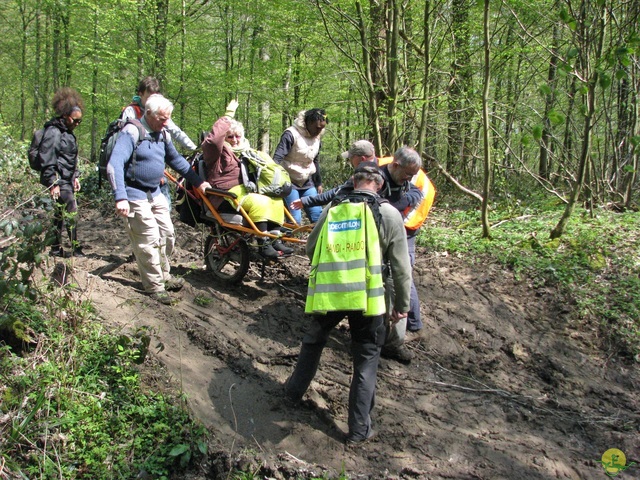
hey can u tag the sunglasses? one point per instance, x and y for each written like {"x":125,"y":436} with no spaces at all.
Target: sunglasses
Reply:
{"x":76,"y":121}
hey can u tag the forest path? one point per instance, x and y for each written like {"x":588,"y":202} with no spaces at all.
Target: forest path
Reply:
{"x":503,"y":385}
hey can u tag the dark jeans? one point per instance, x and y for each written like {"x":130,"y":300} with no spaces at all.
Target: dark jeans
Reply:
{"x":367,"y":338}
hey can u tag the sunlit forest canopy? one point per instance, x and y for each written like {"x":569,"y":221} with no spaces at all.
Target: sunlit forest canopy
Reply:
{"x":561,"y":91}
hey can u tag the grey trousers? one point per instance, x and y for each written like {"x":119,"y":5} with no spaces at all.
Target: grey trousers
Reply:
{"x":414,"y":319}
{"x":367,"y":338}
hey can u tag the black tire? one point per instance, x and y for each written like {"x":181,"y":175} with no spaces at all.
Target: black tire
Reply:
{"x":227,"y":256}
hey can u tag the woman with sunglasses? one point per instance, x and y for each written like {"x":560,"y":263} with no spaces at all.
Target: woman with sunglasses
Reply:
{"x":221,"y":150}
{"x":59,"y":156}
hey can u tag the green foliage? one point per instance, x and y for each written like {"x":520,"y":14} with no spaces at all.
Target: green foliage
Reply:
{"x":596,"y":262}
{"x":26,"y":237}
{"x":79,"y":411}
{"x":202,"y":300}
{"x":71,"y":394}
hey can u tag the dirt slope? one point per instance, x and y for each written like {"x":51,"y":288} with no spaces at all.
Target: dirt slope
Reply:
{"x":503,"y":385}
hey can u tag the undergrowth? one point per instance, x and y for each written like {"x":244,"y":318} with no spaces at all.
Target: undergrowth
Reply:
{"x":73,"y":399}
{"x":596,"y":262}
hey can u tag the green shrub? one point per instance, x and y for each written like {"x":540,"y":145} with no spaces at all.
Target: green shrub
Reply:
{"x":71,"y":394}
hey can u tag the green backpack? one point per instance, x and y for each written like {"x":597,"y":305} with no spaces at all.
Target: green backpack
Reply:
{"x":270,"y":177}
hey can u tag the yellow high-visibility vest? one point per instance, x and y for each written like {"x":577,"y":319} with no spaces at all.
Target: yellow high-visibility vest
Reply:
{"x":346,"y":269}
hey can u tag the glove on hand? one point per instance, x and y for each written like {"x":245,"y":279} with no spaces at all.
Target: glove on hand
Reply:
{"x":231,"y":108}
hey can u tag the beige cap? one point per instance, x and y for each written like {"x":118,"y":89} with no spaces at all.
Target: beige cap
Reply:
{"x":360,"y":148}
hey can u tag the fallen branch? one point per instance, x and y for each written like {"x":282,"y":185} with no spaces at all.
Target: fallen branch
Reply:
{"x":457,"y":184}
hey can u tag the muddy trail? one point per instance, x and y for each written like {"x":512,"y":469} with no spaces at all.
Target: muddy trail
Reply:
{"x":504,"y":384}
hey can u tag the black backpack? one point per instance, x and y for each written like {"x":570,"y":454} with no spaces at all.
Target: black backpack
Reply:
{"x":109,"y":141}
{"x":374,"y":202}
{"x":33,"y":153}
{"x":187,"y":204}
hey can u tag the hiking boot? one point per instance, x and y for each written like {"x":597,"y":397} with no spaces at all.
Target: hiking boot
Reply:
{"x":353,"y":440}
{"x":267,"y":251}
{"x":174,"y":284}
{"x":281,"y":247}
{"x":162,"y":297}
{"x":400,"y":354}
{"x":78,"y":253}
{"x":56,"y":252}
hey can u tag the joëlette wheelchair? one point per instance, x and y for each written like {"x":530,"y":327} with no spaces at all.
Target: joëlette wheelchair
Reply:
{"x":231,"y":244}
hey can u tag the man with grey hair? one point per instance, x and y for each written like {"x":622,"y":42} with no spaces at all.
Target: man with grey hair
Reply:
{"x":403,"y":195}
{"x":135,"y":170}
{"x":359,"y":151}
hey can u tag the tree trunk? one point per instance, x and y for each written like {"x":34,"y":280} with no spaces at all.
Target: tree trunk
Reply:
{"x":486,"y":125}
{"x":160,"y":58}
{"x":23,"y":70}
{"x":94,"y":85}
{"x":265,"y":113}
{"x":367,"y":61}
{"x":141,"y":38}
{"x":183,"y":61}
{"x":287,"y":112}
{"x":545,"y":142}
{"x":629,"y":112}
{"x":424,"y":114}
{"x":393,"y":22}
{"x":591,"y":33}
{"x":458,"y":128}
{"x":37,"y":90}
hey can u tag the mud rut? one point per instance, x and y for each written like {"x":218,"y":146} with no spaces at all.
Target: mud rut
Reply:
{"x":503,"y":385}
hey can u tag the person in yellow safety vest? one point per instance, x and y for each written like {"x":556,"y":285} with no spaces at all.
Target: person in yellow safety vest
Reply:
{"x":335,"y":246}
{"x":409,"y":190}
{"x":346,"y":259}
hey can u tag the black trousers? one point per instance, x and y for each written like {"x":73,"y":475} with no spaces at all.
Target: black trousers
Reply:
{"x":65,"y":205}
{"x":367,"y":338}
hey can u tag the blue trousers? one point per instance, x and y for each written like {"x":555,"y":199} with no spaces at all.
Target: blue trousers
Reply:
{"x":367,"y":338}
{"x":312,"y":212}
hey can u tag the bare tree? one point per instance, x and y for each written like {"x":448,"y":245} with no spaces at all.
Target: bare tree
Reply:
{"x":591,"y":22}
{"x":486,"y":125}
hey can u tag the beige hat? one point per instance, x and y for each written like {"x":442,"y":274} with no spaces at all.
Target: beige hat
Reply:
{"x":362,"y":148}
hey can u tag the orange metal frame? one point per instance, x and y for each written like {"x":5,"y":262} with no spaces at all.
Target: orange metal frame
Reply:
{"x":251,"y":229}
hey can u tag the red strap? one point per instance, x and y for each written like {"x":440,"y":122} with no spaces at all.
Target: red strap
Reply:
{"x":137,"y":109}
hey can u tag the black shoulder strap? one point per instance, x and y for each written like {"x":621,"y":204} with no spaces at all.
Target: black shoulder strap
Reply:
{"x":142,"y":132}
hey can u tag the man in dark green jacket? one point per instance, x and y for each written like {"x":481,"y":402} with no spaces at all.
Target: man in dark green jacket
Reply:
{"x":367,"y":332}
